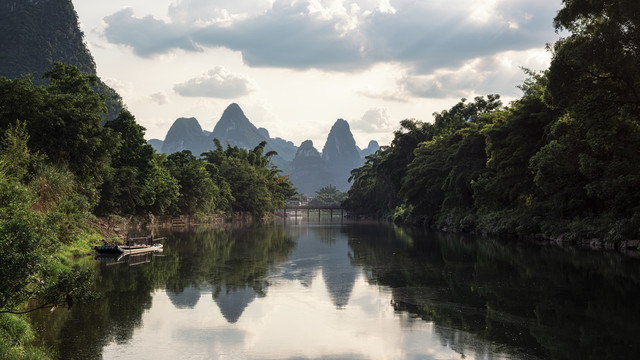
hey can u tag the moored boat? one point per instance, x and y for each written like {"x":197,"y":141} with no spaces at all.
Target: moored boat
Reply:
{"x":139,"y":249}
{"x":132,"y":246}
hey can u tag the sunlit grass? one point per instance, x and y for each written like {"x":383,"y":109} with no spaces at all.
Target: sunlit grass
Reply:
{"x":15,"y":333}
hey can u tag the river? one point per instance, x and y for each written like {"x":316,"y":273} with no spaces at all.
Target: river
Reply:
{"x":333,"y":290}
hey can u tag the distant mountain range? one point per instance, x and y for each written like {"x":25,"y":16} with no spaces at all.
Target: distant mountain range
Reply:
{"x":309,"y":169}
{"x":38,"y":33}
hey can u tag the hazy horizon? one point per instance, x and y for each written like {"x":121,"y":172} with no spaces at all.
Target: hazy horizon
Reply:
{"x":295,"y":67}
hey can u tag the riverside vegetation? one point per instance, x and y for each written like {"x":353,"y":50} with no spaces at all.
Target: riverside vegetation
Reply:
{"x":59,"y":169}
{"x":561,"y":161}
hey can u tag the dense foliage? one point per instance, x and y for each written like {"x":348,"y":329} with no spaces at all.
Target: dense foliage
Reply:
{"x":328,"y":196}
{"x":250,"y":183}
{"x":562,"y":159}
{"x":60,"y":166}
{"x":112,"y":167}
{"x":39,"y":214}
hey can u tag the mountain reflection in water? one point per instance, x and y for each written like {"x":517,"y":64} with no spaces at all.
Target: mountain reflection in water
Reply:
{"x":354,"y":291}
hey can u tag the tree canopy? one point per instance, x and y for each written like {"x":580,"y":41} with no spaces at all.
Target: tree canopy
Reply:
{"x":562,"y":159}
{"x":328,"y":196}
{"x":60,"y":166}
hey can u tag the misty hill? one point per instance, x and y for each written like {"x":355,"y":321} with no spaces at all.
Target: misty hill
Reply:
{"x":156,"y":144}
{"x":235,"y":129}
{"x":309,"y":169}
{"x":35,"y":34}
{"x":341,"y":154}
{"x":286,"y":149}
{"x":186,"y":134}
{"x":370,"y":149}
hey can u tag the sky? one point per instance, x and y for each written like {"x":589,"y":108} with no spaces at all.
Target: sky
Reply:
{"x":296,"y":66}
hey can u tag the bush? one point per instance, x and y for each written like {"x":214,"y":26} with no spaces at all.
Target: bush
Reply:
{"x":15,"y":332}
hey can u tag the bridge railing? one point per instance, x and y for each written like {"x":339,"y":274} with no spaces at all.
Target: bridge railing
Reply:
{"x":308,"y":208}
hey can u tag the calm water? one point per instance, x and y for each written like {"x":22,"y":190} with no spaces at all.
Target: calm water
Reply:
{"x":353,"y":291}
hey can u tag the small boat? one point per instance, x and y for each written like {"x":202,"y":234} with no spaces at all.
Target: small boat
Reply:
{"x":138,"y":249}
{"x":133,"y":246}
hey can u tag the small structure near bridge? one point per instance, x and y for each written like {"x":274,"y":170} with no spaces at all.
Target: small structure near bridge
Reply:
{"x":290,"y":210}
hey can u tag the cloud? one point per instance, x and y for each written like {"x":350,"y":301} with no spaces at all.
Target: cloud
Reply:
{"x":216,"y":83}
{"x":374,"y":120}
{"x":208,"y":12}
{"x":289,"y":36}
{"x":122,"y":87}
{"x":495,"y":74}
{"x":147,"y":36}
{"x":340,"y":35}
{"x":430,"y":36}
{"x":159,"y":98}
{"x":398,"y":95}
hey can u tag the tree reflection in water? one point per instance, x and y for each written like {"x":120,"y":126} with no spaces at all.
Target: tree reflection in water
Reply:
{"x":543,"y":301}
{"x":484,"y":296}
{"x":227,"y":261}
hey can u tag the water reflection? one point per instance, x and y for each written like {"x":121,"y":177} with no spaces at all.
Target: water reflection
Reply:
{"x":233,"y":302}
{"x":354,"y":291}
{"x":322,"y":248}
{"x":187,"y":299}
{"x":548,"y":302}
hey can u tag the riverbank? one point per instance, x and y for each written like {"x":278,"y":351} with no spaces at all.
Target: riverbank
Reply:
{"x":595,"y":234}
{"x":629,"y":247}
{"x":113,"y":227}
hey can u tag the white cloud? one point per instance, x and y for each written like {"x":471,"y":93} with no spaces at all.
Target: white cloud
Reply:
{"x":148,"y":36}
{"x":216,"y":83}
{"x":122,"y":87}
{"x":159,"y":98}
{"x":499,"y":73}
{"x":315,"y":60}
{"x":398,"y":95}
{"x":204,"y":12}
{"x":339,"y":35}
{"x":373,"y":121}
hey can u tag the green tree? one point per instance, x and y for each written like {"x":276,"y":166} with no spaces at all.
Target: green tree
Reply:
{"x":130,"y":187}
{"x":28,"y":240}
{"x":25,"y":243}
{"x":197,"y":190}
{"x":328,"y":196}
{"x":16,"y":160}
{"x":255,"y":185}
{"x":367,"y":194}
{"x":63,"y":123}
{"x":163,"y":190}
{"x":428,"y":169}
{"x":513,"y":136}
{"x":376,"y":185}
{"x":594,"y":82}
{"x":463,"y":113}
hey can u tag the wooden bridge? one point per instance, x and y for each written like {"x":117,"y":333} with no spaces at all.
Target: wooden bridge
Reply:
{"x":308,"y":209}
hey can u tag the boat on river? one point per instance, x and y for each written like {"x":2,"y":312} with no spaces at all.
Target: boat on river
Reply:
{"x":138,"y":249}
{"x":132,"y":246}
